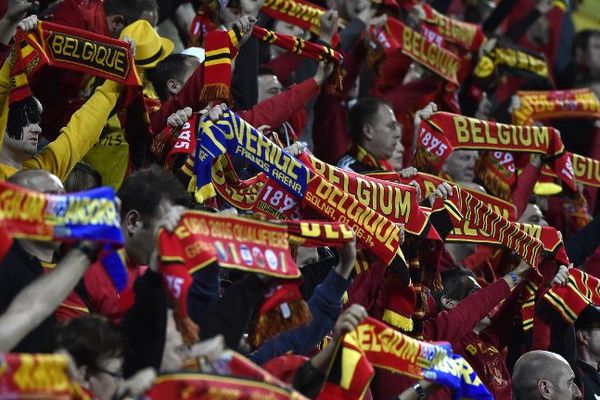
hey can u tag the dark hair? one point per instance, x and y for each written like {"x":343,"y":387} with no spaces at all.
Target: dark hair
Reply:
{"x":88,"y":340}
{"x":131,"y":10}
{"x":264,"y":70}
{"x":144,"y":190}
{"x":80,"y":176}
{"x":582,"y":39}
{"x":22,"y":113}
{"x":361,"y":114}
{"x":172,"y":67}
{"x":453,"y":285}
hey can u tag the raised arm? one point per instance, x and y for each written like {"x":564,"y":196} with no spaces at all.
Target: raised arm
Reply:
{"x":80,"y":134}
{"x":38,"y":300}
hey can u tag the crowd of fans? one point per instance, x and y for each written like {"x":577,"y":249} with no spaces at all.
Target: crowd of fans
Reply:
{"x":370,"y":97}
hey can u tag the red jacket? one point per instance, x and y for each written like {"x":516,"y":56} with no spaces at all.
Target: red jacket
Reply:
{"x":483,"y":351}
{"x":273,"y":112}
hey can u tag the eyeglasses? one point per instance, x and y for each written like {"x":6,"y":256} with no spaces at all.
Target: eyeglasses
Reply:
{"x":116,"y":375}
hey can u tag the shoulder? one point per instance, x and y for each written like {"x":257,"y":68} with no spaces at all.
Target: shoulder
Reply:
{"x":347,"y":162}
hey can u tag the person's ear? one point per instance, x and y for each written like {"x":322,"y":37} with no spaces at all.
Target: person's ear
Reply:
{"x":545,"y":388}
{"x":447,"y":302}
{"x":174,"y":86}
{"x":582,"y":337}
{"x":367,"y":131}
{"x":116,"y":23}
{"x":133,"y":222}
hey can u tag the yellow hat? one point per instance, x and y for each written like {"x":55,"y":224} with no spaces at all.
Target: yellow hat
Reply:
{"x":150,"y":48}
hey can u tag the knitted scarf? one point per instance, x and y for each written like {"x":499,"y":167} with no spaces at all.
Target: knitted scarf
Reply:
{"x":303,"y":48}
{"x":445,"y":132}
{"x":397,"y":202}
{"x":88,"y":215}
{"x":586,"y":170}
{"x":395,"y":35}
{"x":570,"y":300}
{"x":536,"y":106}
{"x":202,"y":239}
{"x":505,"y":58}
{"x":195,"y":386}
{"x":70,"y":48}
{"x":235,"y":136}
{"x":39,"y":376}
{"x":468,"y":36}
{"x":220,"y":49}
{"x":372,"y":343}
{"x":461,"y":205}
{"x":497,"y":172}
{"x":303,"y":14}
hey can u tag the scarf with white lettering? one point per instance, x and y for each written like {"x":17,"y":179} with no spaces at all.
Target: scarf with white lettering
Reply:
{"x":69,"y":48}
{"x":233,"y":135}
{"x":585,"y":169}
{"x":89,"y":215}
{"x":466,"y":35}
{"x":539,"y":105}
{"x":445,"y":132}
{"x":373,"y":344}
{"x":395,"y":35}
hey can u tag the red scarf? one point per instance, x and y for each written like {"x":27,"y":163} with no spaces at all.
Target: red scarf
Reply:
{"x":396,"y":35}
{"x":70,"y":48}
{"x":39,"y":376}
{"x":468,"y":36}
{"x":495,"y":228}
{"x":570,"y":300}
{"x":536,"y":106}
{"x":194,"y":386}
{"x":303,"y":48}
{"x":220,"y":49}
{"x":585,"y":169}
{"x":303,"y":14}
{"x":445,"y":132}
{"x":397,"y":202}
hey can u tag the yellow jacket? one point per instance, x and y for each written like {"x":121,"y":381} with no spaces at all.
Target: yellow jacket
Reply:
{"x":75,"y":139}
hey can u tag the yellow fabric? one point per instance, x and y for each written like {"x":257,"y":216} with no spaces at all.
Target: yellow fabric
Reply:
{"x":4,"y":90}
{"x":587,"y":15}
{"x":80,"y":134}
{"x":112,"y":147}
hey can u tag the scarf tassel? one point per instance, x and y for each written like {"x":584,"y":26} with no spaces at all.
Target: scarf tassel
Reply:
{"x":273,"y":322}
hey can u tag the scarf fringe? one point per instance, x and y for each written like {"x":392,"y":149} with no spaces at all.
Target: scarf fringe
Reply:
{"x":216,"y":92}
{"x":272,"y":323}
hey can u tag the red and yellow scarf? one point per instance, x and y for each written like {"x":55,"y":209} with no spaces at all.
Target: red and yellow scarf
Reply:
{"x":445,"y":132}
{"x":303,"y":14}
{"x":540,"y":105}
{"x":468,"y":36}
{"x":395,"y":35}
{"x":70,"y":48}
{"x":39,"y":376}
